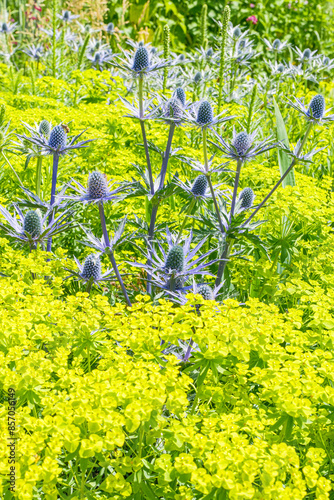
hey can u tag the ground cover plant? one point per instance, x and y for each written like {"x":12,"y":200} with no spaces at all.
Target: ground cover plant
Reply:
{"x":166,"y":233}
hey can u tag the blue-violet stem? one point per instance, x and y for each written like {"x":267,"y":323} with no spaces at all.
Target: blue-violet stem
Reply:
{"x":235,"y":189}
{"x":156,"y":207}
{"x":53,"y":192}
{"x":111,"y":254}
{"x":206,"y":166}
{"x":142,"y":125}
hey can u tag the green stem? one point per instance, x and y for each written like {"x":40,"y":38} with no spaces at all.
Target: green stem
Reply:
{"x":89,"y":285}
{"x":224,"y":260}
{"x":235,"y":189}
{"x":111,"y":254}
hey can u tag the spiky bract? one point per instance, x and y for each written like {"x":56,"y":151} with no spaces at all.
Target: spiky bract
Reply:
{"x":173,"y":108}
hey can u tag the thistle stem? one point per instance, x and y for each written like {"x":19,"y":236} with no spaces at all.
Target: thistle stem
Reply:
{"x":53,"y":193}
{"x":166,"y":156}
{"x":294,"y":161}
{"x":156,"y":206}
{"x":143,"y":131}
{"x":223,"y":261}
{"x":111,"y":254}
{"x":206,"y":166}
{"x":39,"y":175}
{"x":235,"y":189}
{"x":89,"y":285}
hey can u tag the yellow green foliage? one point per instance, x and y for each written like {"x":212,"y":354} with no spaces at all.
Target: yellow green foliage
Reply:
{"x":96,"y":392}
{"x":103,"y":411}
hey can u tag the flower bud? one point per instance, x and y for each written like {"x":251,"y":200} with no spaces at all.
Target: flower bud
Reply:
{"x":204,"y":114}
{"x":242,"y":142}
{"x":141,"y":59}
{"x":247,"y":198}
{"x":175,"y":259}
{"x":97,"y":185}
{"x":206,"y":291}
{"x":181,"y":95}
{"x":32,"y":224}
{"x":91,"y":267}
{"x":58,"y":137}
{"x":44,"y":128}
{"x":200,"y":185}
{"x":317,"y":107}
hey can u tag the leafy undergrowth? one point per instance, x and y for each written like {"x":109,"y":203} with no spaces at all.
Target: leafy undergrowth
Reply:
{"x":104,"y":413}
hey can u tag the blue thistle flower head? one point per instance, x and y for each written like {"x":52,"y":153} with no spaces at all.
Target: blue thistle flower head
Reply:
{"x":317,"y":107}
{"x":276,"y":44}
{"x":307,"y":54}
{"x":197,"y":77}
{"x":141,"y":59}
{"x":242,"y":142}
{"x":181,"y":95}
{"x":32,"y":224}
{"x":205,"y":113}
{"x":58,"y":137}
{"x":247,"y":198}
{"x":92,"y":268}
{"x":44,"y":128}
{"x":97,"y":185}
{"x":326,"y":61}
{"x":4,"y":27}
{"x":280,"y":68}
{"x":175,"y":259}
{"x":200,"y":185}
{"x":206,"y":291}
{"x":209,"y":53}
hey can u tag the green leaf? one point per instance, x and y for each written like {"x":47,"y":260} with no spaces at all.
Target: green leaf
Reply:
{"x":283,"y":158}
{"x":203,"y":373}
